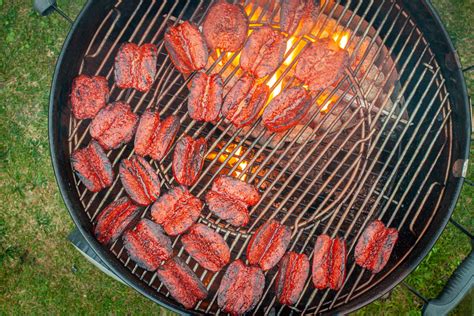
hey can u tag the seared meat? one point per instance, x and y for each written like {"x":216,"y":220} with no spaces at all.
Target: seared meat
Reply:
{"x":291,"y":278}
{"x":244,"y":101}
{"x":225,"y":26}
{"x":229,"y":199}
{"x":268,"y":244}
{"x":375,"y":246}
{"x":135,"y":66}
{"x":139,"y":180}
{"x":298,"y":17}
{"x":155,"y":137}
{"x":114,"y":125}
{"x":176,"y":210}
{"x":263,"y":52}
{"x":93,"y":167}
{"x":287,"y":109}
{"x":207,"y":247}
{"x":114,"y":219}
{"x":329,"y":262}
{"x":322,"y":64}
{"x":240,"y":289}
{"x":147,"y":245}
{"x":188,"y":159}
{"x":88,"y":96}
{"x":205,"y":97}
{"x":186,"y":47}
{"x":182,"y":283}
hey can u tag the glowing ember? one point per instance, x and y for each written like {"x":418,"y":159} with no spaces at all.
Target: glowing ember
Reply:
{"x":341,"y":40}
{"x":325,"y":108}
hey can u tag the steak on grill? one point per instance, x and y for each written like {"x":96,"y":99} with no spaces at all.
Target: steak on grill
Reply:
{"x":89,"y":94}
{"x":147,"y":245}
{"x":241,"y":288}
{"x":186,"y":47}
{"x":298,"y":17}
{"x":114,"y":125}
{"x":375,"y":246}
{"x":207,"y":247}
{"x":176,"y":210}
{"x":291,"y":278}
{"x":188,"y":159}
{"x":329,"y":262}
{"x":139,"y":180}
{"x":205,"y":97}
{"x":93,"y":167}
{"x":225,"y":26}
{"x":182,"y":283}
{"x":263,"y":52}
{"x":114,"y":219}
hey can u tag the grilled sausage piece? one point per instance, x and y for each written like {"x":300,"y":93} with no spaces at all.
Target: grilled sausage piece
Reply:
{"x":268,"y":244}
{"x":263,"y":52}
{"x":88,"y":95}
{"x":225,"y":26}
{"x":291,"y":278}
{"x":188,"y":159}
{"x":205,"y":97}
{"x":139,"y":180}
{"x":135,"y":66}
{"x":244,"y":101}
{"x":329,"y":262}
{"x":176,"y":210}
{"x":155,"y":137}
{"x":186,"y":47}
{"x":93,"y":167}
{"x":298,"y":17}
{"x":114,"y":219}
{"x":241,"y":288}
{"x":375,"y":246}
{"x":114,"y":125}
{"x":287,"y":109}
{"x":182,"y":283}
{"x":207,"y":247}
{"x":147,"y":245}
{"x":322,"y":64}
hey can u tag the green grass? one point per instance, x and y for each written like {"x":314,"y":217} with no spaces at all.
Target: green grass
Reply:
{"x":40,"y":272}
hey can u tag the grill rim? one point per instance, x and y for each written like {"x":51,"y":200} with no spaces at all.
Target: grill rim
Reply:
{"x":457,"y":89}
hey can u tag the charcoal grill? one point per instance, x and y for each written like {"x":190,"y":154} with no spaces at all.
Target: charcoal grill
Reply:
{"x":391,"y":144}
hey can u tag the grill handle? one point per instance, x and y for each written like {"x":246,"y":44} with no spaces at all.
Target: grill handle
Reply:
{"x":46,"y":7}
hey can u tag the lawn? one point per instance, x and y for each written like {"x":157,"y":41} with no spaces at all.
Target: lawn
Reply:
{"x":40,"y":272}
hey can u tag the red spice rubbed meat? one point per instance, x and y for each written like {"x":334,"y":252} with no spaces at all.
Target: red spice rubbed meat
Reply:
{"x":322,"y":64}
{"x":244,"y":101}
{"x":268,"y":244}
{"x":186,"y":47}
{"x":263,"y":52}
{"x":241,"y":288}
{"x":188,"y":159}
{"x":298,"y":17}
{"x":147,"y":245}
{"x":88,"y":96}
{"x":155,"y":137}
{"x":139,"y":180}
{"x":329,"y":262}
{"x":182,"y":283}
{"x":287,"y":109}
{"x":114,"y":219}
{"x":225,"y":26}
{"x":135,"y":66}
{"x":375,"y":246}
{"x":207,"y":247}
{"x":205,"y":97}
{"x":114,"y":125}
{"x":291,"y":277}
{"x":176,"y":210}
{"x":93,"y":167}
{"x":229,"y":199}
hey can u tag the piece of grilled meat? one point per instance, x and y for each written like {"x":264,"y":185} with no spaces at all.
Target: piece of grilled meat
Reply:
{"x":176,"y":210}
{"x":225,"y":26}
{"x":114,"y":125}
{"x":89,"y":94}
{"x":186,"y":47}
{"x":135,"y":66}
{"x":291,"y":277}
{"x":263,"y":52}
{"x":329,"y":262}
{"x":188,"y":159}
{"x":93,"y":167}
{"x":298,"y":17}
{"x":205,"y":97}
